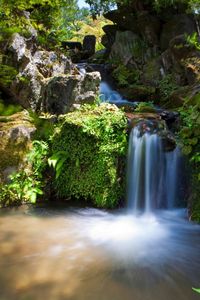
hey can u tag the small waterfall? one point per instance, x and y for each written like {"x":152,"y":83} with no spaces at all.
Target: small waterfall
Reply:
{"x":152,"y":173}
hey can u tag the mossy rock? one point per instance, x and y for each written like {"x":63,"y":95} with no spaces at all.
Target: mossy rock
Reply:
{"x":138,"y":93}
{"x":15,"y":132}
{"x":94,"y":145}
{"x":152,"y":72}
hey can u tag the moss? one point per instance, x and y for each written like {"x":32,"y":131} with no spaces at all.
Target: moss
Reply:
{"x":94,"y":144}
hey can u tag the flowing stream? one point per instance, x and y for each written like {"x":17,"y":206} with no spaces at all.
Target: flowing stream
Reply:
{"x":87,"y":254}
{"x":58,"y":253}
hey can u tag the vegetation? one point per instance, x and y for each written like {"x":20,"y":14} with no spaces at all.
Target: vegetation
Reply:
{"x":125,"y":76}
{"x":53,"y":20}
{"x":90,"y":26}
{"x":99,"y":6}
{"x":143,"y":107}
{"x":28,"y":183}
{"x":88,"y":152}
{"x":190,"y":138}
{"x":166,"y":87}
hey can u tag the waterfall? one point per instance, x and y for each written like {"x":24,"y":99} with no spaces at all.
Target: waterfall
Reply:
{"x":152,"y":172}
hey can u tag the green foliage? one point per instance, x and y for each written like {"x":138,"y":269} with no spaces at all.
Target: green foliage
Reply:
{"x":53,"y":20}
{"x":7,"y":110}
{"x":125,"y":76}
{"x":167,"y":86}
{"x":196,"y":290}
{"x":193,"y":41}
{"x":145,"y":107}
{"x":88,"y":152}
{"x":99,"y":6}
{"x":190,"y":142}
{"x":26,"y":184}
{"x":57,"y":161}
{"x":7,"y":73}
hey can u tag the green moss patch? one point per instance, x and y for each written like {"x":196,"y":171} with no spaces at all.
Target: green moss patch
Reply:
{"x":93,"y":144}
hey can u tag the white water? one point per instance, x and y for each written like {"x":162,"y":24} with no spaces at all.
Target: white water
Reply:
{"x":152,"y":173}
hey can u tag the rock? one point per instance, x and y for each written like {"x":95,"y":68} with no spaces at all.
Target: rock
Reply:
{"x":42,"y":82}
{"x":72,"y":45}
{"x":138,"y":92}
{"x":18,"y":47}
{"x":125,"y":47}
{"x":171,"y":118}
{"x":149,"y":27}
{"x":152,"y":71}
{"x":98,"y":58}
{"x":125,"y":19}
{"x":89,"y":43}
{"x":50,"y":64}
{"x":178,"y":25}
{"x":192,"y":69}
{"x":18,"y":53}
{"x":16,"y":132}
{"x":27,"y":87}
{"x":33,"y":69}
{"x":59,"y":94}
{"x":108,"y":39}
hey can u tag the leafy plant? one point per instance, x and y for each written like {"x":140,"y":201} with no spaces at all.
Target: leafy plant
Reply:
{"x":190,"y":141}
{"x":7,"y":110}
{"x":125,"y":76}
{"x":196,"y":290}
{"x":27,"y":184}
{"x":193,"y":40}
{"x":57,"y":161}
{"x":89,"y":152}
{"x":145,"y":107}
{"x":167,"y":85}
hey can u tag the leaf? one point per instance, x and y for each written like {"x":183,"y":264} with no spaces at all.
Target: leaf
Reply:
{"x":196,"y":290}
{"x":59,"y":166}
{"x":52,"y":161}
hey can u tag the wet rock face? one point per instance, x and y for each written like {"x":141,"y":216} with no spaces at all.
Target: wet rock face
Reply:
{"x":16,"y":133}
{"x":154,"y":125}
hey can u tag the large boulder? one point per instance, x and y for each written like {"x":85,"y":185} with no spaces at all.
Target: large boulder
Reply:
{"x":95,"y":147}
{"x":61,"y":93}
{"x":126,"y":47}
{"x":149,"y":27}
{"x":16,"y":132}
{"x":47,"y":80}
{"x":179,"y":24}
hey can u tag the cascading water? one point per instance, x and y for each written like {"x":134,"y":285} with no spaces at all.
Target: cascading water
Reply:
{"x":151,"y":176}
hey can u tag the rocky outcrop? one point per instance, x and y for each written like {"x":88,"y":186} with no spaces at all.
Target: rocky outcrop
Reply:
{"x":177,"y":25}
{"x":40,"y":71}
{"x":16,"y":133}
{"x":155,"y":46}
{"x":61,"y":94}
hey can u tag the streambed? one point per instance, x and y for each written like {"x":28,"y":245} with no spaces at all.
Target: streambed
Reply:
{"x":85,"y":254}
